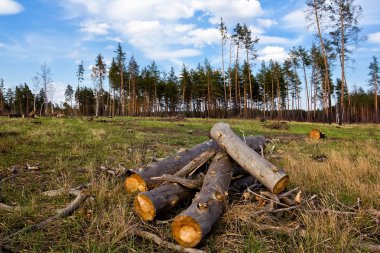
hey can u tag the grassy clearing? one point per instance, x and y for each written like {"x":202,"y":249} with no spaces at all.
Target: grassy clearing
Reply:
{"x":68,"y":152}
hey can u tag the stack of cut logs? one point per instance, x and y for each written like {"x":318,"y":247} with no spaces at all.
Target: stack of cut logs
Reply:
{"x":176,"y":179}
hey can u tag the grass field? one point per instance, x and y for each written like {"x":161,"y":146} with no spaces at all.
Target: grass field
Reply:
{"x":69,"y":151}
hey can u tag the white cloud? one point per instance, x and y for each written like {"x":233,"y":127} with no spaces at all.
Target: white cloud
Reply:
{"x":158,"y":25}
{"x":295,"y":19}
{"x":58,"y":90}
{"x":95,"y":28}
{"x":201,"y":37}
{"x":110,"y":47}
{"x":272,"y":53}
{"x":266,"y":23}
{"x":371,"y":14}
{"x":374,"y":37}
{"x":272,"y":40}
{"x":181,"y":28}
{"x":256,"y":31}
{"x":232,"y":11}
{"x":2,"y":45}
{"x":9,"y":7}
{"x":162,"y":55}
{"x":139,"y":27}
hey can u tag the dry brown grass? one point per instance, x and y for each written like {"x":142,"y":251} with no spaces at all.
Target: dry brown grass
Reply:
{"x":350,"y":171}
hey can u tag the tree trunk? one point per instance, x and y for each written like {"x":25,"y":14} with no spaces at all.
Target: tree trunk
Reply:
{"x":140,"y":179}
{"x":268,"y":174}
{"x":190,"y":226}
{"x":342,"y":63}
{"x":307,"y":91}
{"x":325,"y":61}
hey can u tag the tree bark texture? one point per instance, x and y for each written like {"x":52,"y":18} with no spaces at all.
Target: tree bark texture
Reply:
{"x":267,"y":173}
{"x":190,"y":226}
{"x":149,"y":204}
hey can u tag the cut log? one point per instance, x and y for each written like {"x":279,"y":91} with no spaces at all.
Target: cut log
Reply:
{"x":180,"y":164}
{"x":190,"y":226}
{"x":149,"y":204}
{"x":316,"y":134}
{"x":268,"y":174}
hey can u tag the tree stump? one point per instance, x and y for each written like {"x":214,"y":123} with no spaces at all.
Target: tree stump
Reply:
{"x":316,"y":134}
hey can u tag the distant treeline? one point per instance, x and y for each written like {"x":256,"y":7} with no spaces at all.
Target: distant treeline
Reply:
{"x":196,"y":93}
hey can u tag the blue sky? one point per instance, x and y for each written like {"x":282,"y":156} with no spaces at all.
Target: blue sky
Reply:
{"x":64,"y":32}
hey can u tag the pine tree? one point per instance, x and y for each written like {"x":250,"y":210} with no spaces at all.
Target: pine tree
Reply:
{"x":120,"y":62}
{"x":249,"y":46}
{"x":1,"y":96}
{"x":318,"y":13}
{"x":344,"y":17}
{"x":133,"y":73}
{"x":80,"y":73}
{"x":69,"y":95}
{"x":223,"y":35}
{"x":98,"y":75}
{"x":374,"y":72}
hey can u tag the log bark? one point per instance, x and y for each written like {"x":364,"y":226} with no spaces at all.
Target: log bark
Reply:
{"x":188,"y":183}
{"x":268,"y":174}
{"x":152,"y":203}
{"x":140,"y":179}
{"x":190,"y":226}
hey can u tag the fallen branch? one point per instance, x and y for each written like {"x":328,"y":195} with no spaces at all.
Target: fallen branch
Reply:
{"x":64,"y":213}
{"x":75,"y":191}
{"x":284,"y":230}
{"x":286,"y":209}
{"x":31,"y":167}
{"x":269,"y":197}
{"x":290,"y":192}
{"x":326,"y":210}
{"x":161,"y":242}
{"x":7,"y":208}
{"x":195,"y":164}
{"x":374,"y":248}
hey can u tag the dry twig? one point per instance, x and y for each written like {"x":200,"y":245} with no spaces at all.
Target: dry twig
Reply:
{"x":7,"y":208}
{"x":64,"y":213}
{"x":161,"y":242}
